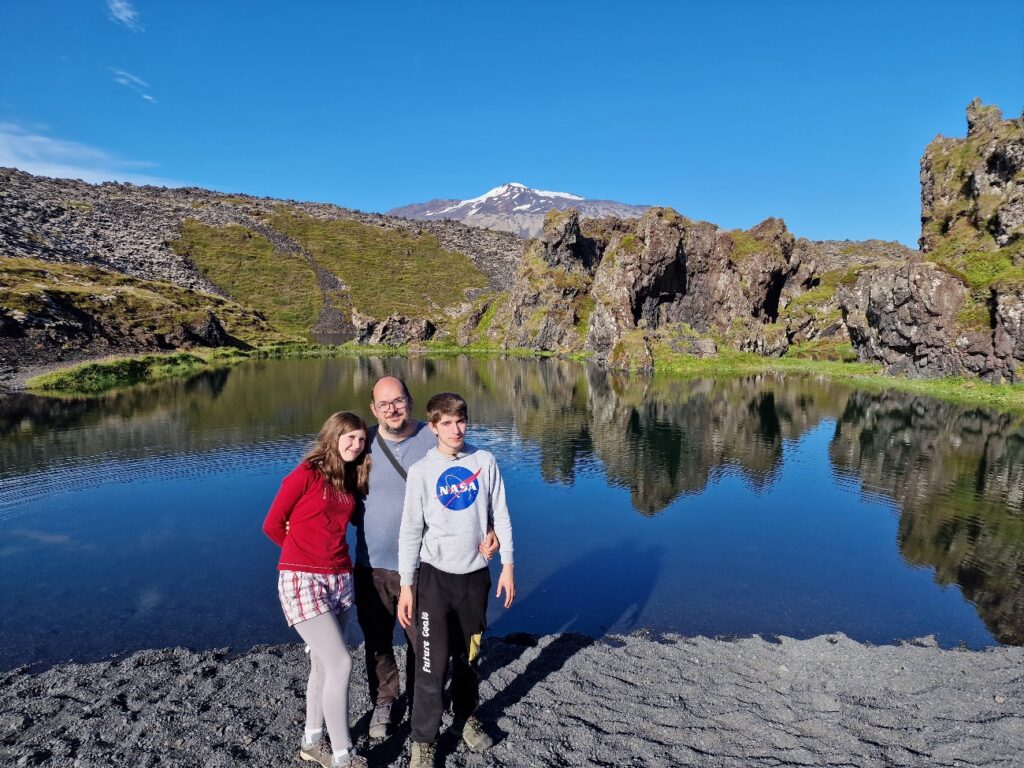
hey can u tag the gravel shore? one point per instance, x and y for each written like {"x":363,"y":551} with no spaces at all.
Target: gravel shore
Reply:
{"x":563,"y":700}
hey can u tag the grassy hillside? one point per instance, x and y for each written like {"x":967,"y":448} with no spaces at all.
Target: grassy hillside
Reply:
{"x":244,"y":264}
{"x":386,"y":271}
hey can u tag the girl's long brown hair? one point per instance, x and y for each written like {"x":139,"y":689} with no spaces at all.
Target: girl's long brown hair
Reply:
{"x":349,"y":477}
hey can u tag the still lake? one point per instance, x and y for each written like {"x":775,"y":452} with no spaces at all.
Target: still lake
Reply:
{"x":725,"y":507}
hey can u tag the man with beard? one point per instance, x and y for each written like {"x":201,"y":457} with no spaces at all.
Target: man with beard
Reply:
{"x":396,"y":443}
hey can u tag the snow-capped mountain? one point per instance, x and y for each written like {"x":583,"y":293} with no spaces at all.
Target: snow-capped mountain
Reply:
{"x":514,"y":208}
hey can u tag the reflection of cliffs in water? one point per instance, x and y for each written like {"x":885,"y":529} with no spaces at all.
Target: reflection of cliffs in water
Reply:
{"x":670,"y":437}
{"x":958,"y":476}
{"x":660,"y":438}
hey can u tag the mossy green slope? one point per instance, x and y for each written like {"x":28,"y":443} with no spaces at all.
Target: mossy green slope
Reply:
{"x":118,"y":301}
{"x":244,"y":264}
{"x":387,"y":271}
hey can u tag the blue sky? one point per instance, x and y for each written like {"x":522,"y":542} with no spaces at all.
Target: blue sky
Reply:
{"x":816,"y":112}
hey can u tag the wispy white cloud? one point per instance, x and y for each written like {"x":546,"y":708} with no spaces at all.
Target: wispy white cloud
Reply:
{"x":127,"y":78}
{"x":137,"y":84}
{"x":123,"y":12}
{"x":35,"y":152}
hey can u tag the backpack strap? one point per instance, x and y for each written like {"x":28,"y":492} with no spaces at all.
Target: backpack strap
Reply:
{"x":391,"y":457}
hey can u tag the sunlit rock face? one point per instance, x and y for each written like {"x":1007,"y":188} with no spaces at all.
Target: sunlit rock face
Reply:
{"x":968,"y":320}
{"x":906,"y":316}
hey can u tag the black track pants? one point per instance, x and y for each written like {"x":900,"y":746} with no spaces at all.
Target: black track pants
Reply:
{"x":451,"y":616}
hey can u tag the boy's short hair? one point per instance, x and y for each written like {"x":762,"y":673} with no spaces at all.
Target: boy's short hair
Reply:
{"x":446,"y":404}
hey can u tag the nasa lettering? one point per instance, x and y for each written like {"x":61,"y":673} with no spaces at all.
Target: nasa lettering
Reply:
{"x":457,"y":487}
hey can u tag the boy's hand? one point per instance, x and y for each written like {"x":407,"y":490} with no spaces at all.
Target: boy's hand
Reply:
{"x":405,"y":607}
{"x":489,"y":545}
{"x":506,"y":582}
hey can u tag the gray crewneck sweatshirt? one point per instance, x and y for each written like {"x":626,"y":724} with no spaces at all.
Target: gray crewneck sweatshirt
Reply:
{"x":380,"y":516}
{"x":449,"y":502}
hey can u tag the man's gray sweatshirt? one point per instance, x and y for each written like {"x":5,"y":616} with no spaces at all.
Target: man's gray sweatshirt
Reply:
{"x":449,"y":504}
{"x":380,"y":516}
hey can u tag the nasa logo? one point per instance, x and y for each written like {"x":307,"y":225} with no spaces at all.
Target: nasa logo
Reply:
{"x":457,"y":487}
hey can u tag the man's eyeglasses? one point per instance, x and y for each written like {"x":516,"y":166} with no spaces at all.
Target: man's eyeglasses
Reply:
{"x":388,"y":406}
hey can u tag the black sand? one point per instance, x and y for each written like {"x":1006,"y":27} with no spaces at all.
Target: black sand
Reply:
{"x":562,"y":700}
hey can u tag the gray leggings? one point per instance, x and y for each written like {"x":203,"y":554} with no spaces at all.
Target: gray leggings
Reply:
{"x":330,"y":668}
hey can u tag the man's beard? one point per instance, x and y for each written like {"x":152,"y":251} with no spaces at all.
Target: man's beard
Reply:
{"x":396,"y":431}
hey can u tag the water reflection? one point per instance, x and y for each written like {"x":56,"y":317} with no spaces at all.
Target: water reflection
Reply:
{"x":958,"y":475}
{"x":698,"y":459}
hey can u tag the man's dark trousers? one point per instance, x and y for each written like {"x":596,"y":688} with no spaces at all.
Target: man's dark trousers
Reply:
{"x":377,"y":592}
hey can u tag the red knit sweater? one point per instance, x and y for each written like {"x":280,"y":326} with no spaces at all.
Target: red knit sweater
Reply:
{"x":317,"y":516}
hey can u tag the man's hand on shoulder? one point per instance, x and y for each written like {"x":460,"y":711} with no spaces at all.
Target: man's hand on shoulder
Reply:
{"x":489,"y":545}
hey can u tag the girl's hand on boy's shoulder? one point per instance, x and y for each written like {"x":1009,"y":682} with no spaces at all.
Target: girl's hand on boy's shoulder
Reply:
{"x":506,"y":582}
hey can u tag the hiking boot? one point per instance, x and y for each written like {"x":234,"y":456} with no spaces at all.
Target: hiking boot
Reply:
{"x":475,"y":736}
{"x":422,"y":755}
{"x":319,"y":753}
{"x":380,"y":720}
{"x":351,"y":760}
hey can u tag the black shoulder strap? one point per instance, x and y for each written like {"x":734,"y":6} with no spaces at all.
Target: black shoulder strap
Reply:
{"x":391,"y":457}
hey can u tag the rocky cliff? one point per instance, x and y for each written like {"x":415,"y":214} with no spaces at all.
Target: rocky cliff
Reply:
{"x":959,"y":309}
{"x":620,"y":289}
{"x":624,"y":289}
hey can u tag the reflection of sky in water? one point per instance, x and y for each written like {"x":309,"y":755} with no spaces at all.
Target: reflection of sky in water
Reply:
{"x":116,"y":551}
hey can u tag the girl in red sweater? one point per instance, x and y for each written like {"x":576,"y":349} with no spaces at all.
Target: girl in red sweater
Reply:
{"x":308,"y":520}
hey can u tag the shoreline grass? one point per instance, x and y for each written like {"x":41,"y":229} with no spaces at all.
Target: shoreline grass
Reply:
{"x":100,"y":376}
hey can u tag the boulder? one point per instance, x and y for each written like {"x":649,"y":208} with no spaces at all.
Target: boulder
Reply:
{"x":204,"y":331}
{"x":394,"y":331}
{"x":906,"y":317}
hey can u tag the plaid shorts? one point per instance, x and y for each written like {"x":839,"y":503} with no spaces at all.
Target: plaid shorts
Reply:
{"x":305,"y":595}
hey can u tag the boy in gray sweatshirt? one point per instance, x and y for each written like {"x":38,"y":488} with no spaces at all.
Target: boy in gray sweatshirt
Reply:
{"x":453,"y":496}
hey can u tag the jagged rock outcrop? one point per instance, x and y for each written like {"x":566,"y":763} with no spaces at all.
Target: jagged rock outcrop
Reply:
{"x":394,"y":331}
{"x":905,"y":315}
{"x":960,"y":312}
{"x":619,"y":288}
{"x":973,"y":188}
{"x":549,"y":301}
{"x":669,"y":270}
{"x":810,"y":302}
